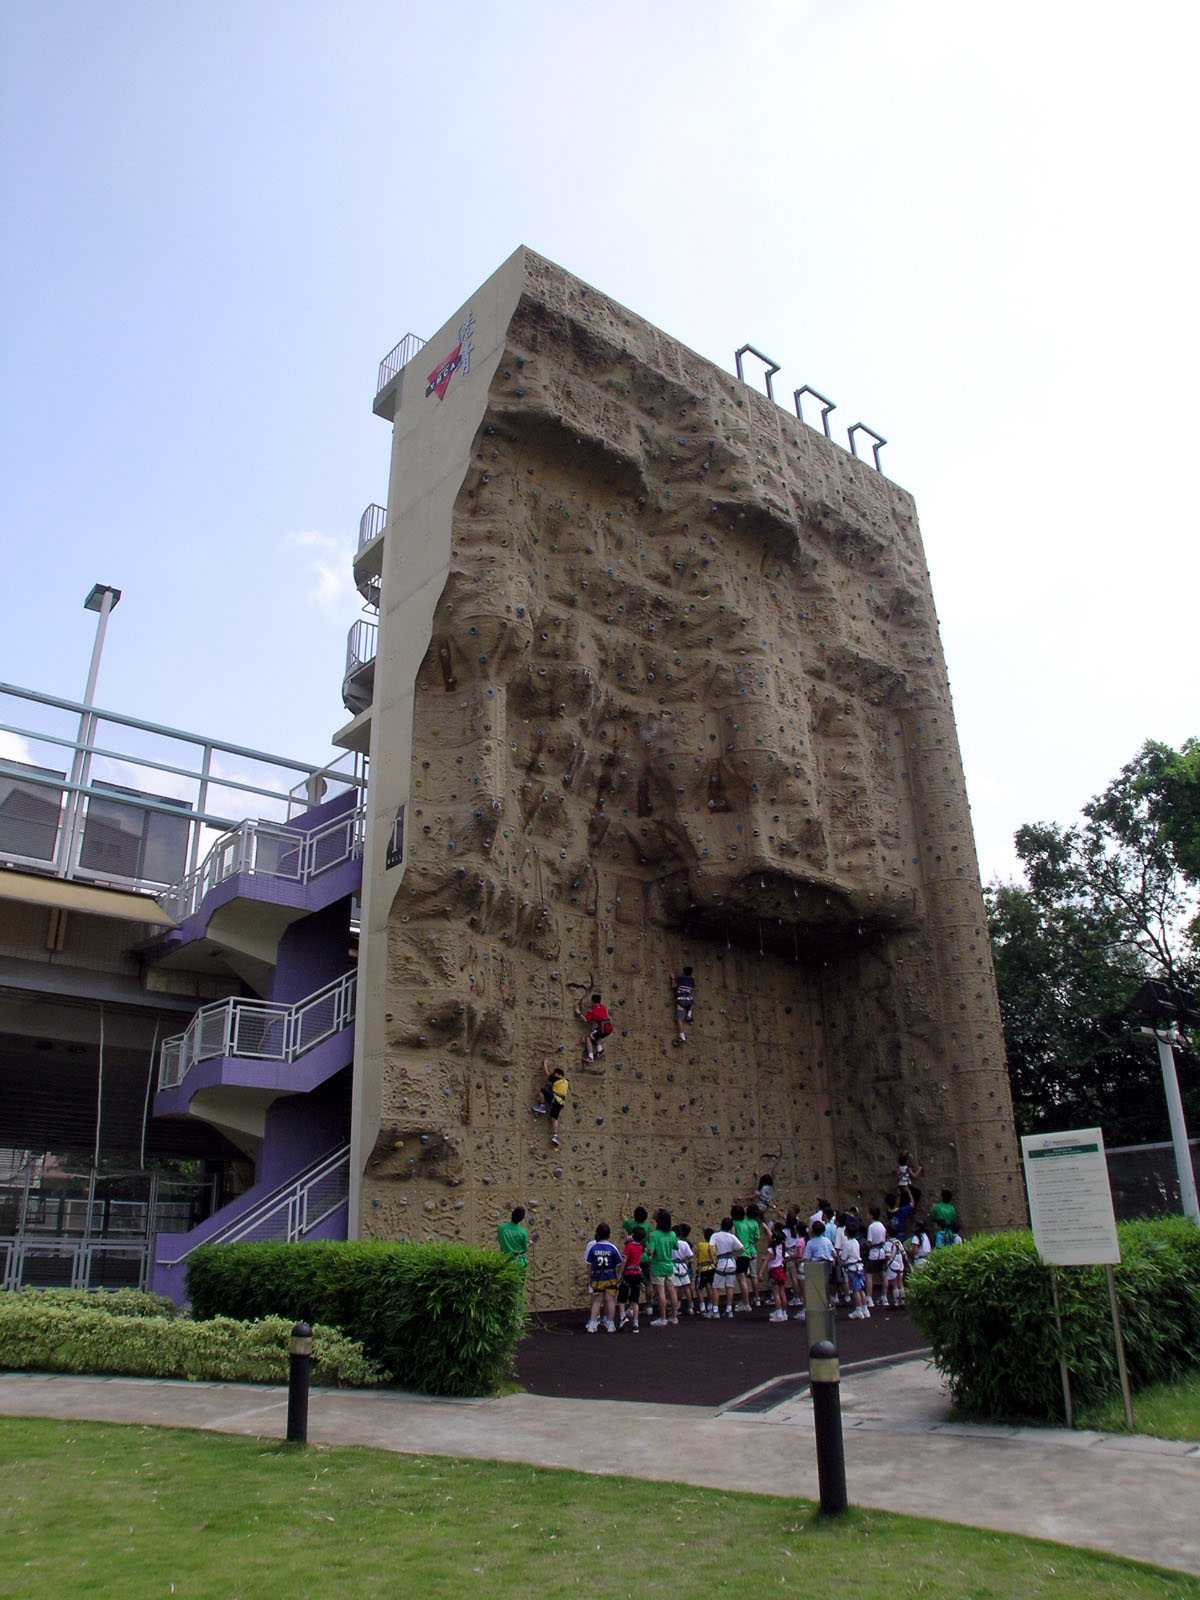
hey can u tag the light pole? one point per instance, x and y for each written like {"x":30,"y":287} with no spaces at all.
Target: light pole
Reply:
{"x":101,"y":599}
{"x":1162,"y":1008}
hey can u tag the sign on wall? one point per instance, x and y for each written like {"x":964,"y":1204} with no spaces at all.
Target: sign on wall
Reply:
{"x":395,"y":845}
{"x":459,"y":360}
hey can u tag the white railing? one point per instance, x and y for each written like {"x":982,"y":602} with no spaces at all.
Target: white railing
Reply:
{"x":408,"y":347}
{"x":293,"y":1210}
{"x":371,"y":524}
{"x":258,"y":1030}
{"x":265,"y":849}
{"x":72,"y":1264}
{"x":116,"y":800}
{"x":362,"y":645}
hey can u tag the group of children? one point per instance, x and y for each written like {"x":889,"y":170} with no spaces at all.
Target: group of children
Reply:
{"x":752,"y":1260}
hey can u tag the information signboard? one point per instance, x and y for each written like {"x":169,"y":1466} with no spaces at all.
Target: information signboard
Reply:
{"x":1070,"y":1198}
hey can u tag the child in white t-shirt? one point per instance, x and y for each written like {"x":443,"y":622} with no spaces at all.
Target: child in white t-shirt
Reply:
{"x":895,"y":1265}
{"x":683,"y":1256}
{"x":726,"y":1247}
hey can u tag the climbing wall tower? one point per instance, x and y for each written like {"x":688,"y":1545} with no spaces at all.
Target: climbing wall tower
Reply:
{"x":658,"y":683}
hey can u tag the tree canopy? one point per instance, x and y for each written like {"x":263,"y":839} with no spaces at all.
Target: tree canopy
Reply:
{"x":1105,"y":904}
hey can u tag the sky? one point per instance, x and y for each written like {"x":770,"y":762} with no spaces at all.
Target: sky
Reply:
{"x":971,"y":226}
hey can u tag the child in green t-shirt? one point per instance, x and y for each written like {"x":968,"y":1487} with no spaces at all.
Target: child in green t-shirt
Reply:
{"x":514,"y":1237}
{"x":660,"y":1250}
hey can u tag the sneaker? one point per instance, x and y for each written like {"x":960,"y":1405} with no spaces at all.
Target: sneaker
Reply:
{"x":635,"y":1327}
{"x":681,"y":1038}
{"x":799,"y":1316}
{"x":777,"y":1316}
{"x":591,"y":1327}
{"x":674,"y":1321}
{"x":539,"y":1110}
{"x":589,"y":1058}
{"x":553,"y":1138}
{"x":659,"y":1322}
{"x":609,"y":1326}
{"x":728,"y":1311}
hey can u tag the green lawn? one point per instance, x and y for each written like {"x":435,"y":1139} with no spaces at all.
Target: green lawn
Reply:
{"x":1169,"y":1410}
{"x":89,"y":1509}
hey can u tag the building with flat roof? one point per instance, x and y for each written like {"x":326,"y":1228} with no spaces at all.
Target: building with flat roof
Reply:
{"x":176,"y":994}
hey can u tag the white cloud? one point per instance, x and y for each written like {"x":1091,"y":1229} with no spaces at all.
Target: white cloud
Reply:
{"x":14,"y":748}
{"x":329,"y":567}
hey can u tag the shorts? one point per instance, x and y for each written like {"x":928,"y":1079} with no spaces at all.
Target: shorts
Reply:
{"x":724,"y":1278}
{"x":603,"y":1285}
{"x":745,"y":1265}
{"x":855,"y":1279}
{"x":553,"y":1104}
{"x":630,"y":1291}
{"x":777,"y":1274}
{"x":705,"y":1279}
{"x":664,"y":1274}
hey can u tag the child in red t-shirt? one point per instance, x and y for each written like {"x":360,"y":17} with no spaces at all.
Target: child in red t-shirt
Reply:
{"x":599,"y":1026}
{"x":629,"y":1290}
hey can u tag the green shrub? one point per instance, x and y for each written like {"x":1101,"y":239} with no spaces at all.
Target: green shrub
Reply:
{"x":118,"y":1302}
{"x":36,"y":1336}
{"x":442,"y":1318}
{"x":986,"y":1308}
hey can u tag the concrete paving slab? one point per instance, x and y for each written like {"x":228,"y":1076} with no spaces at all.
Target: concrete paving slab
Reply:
{"x":1140,"y":1503}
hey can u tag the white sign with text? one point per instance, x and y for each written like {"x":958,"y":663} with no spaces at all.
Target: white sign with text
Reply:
{"x":1070,"y":1198}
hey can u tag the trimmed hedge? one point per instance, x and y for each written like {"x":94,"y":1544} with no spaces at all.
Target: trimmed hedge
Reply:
{"x":986,"y":1308}
{"x":117,"y":1302}
{"x":442,"y":1318}
{"x":38,"y":1335}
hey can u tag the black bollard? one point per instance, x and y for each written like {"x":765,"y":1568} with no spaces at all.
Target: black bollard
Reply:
{"x":300,"y":1352}
{"x":825,"y":1381}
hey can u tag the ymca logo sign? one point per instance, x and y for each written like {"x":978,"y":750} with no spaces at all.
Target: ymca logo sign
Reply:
{"x":459,"y":360}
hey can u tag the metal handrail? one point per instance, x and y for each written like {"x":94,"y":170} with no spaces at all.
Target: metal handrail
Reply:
{"x":362,"y":645}
{"x":409,"y":346}
{"x":292,"y":1203}
{"x":258,"y":1030}
{"x":265,"y":849}
{"x":371,"y":524}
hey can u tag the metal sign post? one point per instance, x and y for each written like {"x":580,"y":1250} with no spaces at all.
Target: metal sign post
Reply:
{"x":1070,"y":1206}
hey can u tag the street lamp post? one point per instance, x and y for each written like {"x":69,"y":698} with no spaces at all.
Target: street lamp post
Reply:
{"x":1162,"y":1008}
{"x":101,"y":599}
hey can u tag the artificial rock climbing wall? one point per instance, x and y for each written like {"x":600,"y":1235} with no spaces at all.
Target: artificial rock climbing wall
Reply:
{"x":681,"y":701}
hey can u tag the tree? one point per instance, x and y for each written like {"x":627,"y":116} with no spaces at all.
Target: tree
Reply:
{"x":1170,"y":783}
{"x":1105,"y":904}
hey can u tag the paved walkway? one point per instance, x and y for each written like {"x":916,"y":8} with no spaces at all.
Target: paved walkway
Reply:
{"x":1137,"y":1497}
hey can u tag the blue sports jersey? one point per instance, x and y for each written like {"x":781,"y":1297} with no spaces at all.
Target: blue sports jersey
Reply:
{"x":603,"y":1260}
